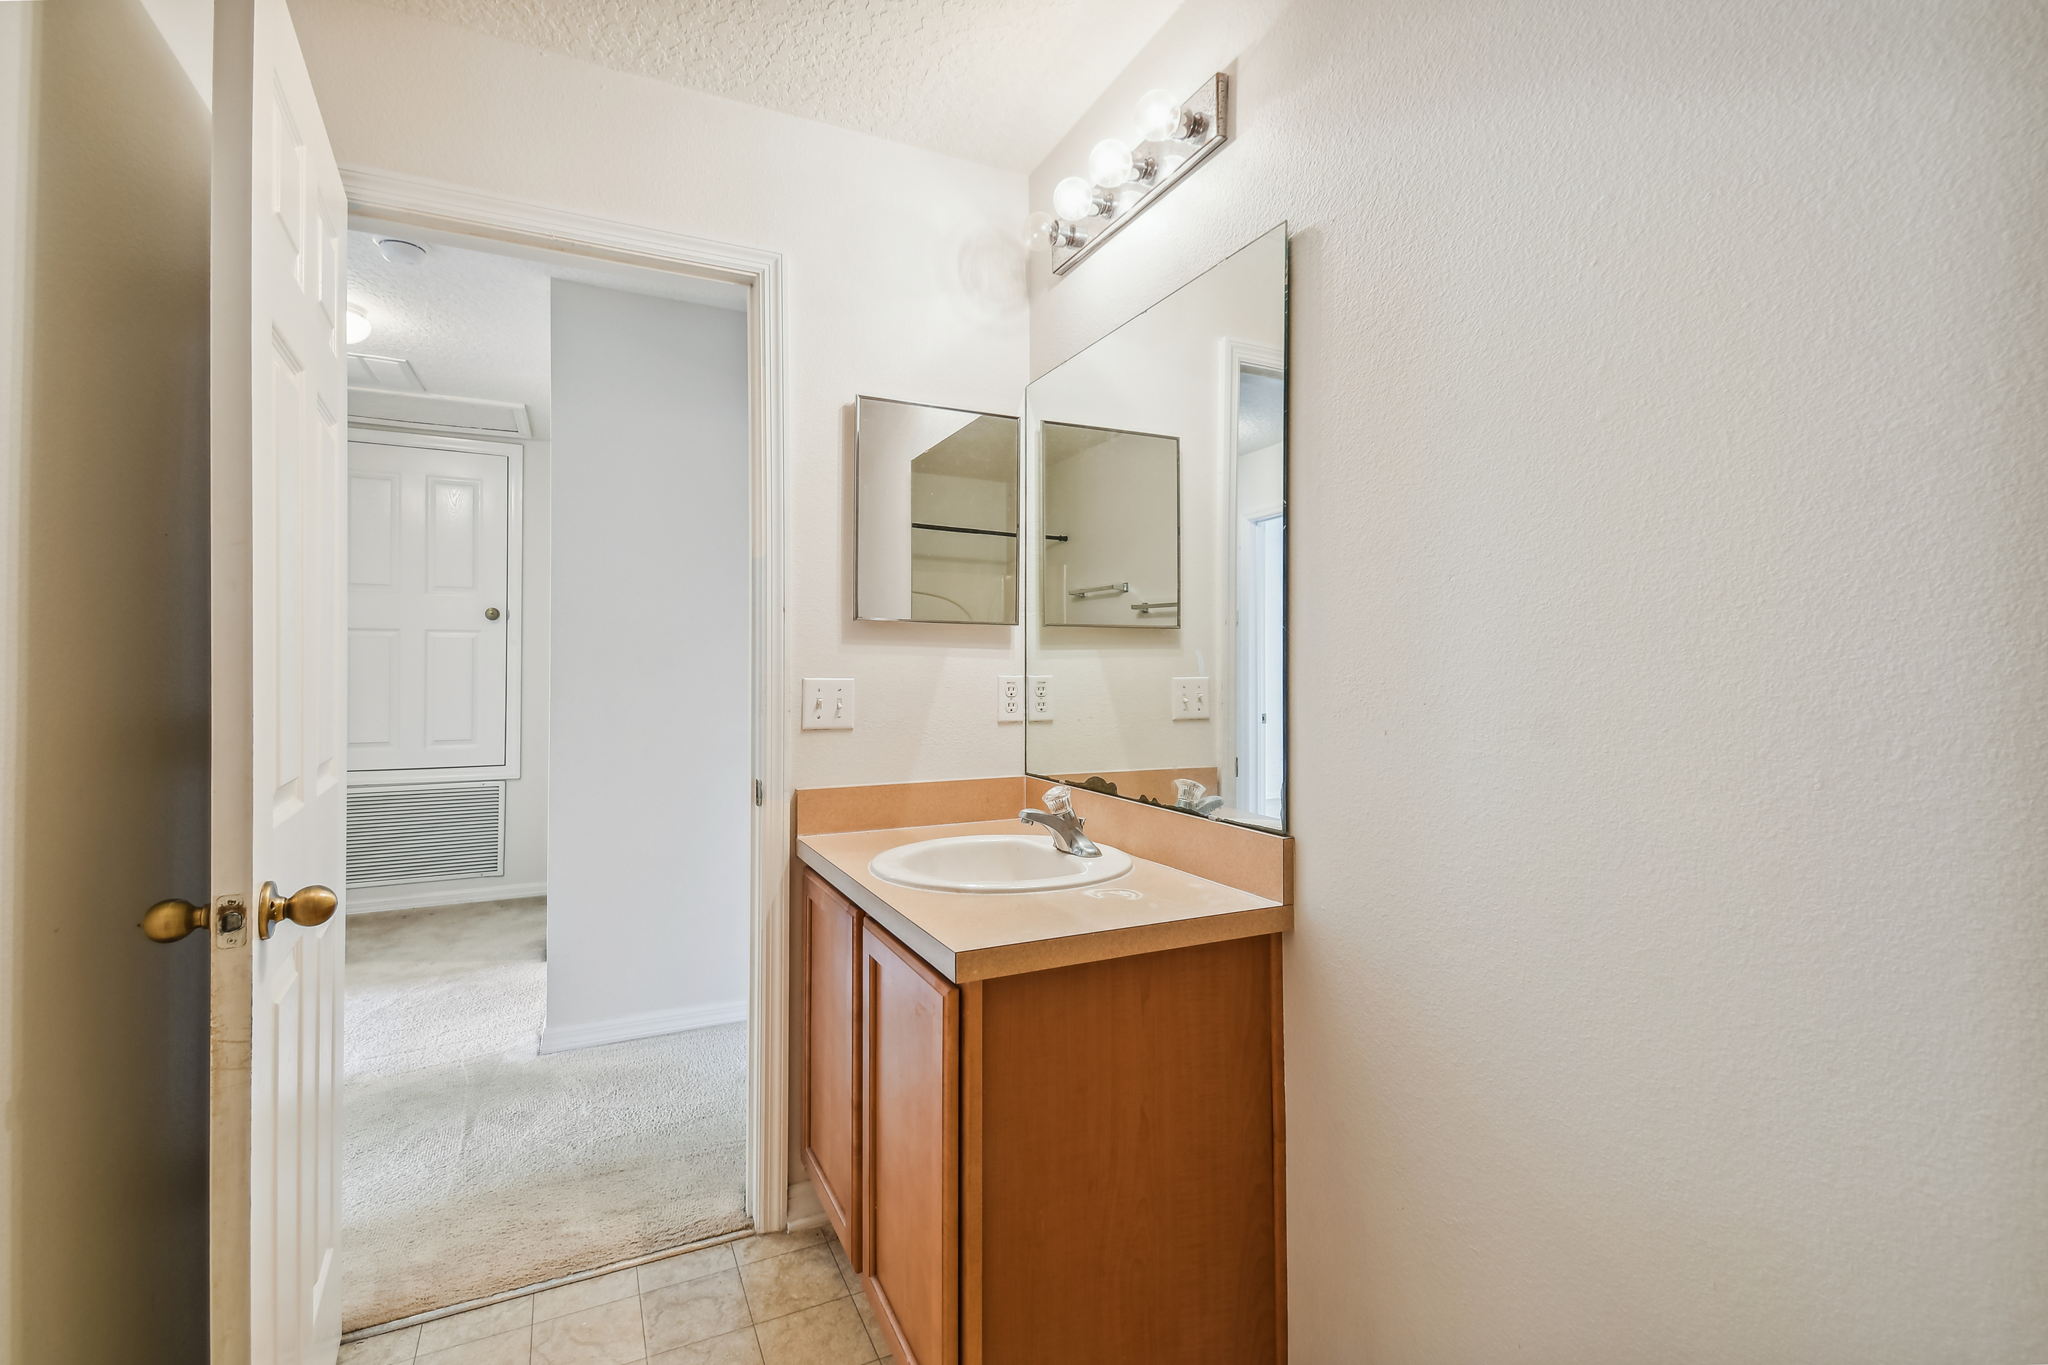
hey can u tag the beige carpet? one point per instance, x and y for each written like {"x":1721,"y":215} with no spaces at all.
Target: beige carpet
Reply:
{"x":471,"y":1164}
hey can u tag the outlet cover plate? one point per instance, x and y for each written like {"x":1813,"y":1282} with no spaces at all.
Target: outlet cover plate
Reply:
{"x":1038,"y":697}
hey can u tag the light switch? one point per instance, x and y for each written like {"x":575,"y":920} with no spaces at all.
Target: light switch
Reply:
{"x":828,"y":703}
{"x":1190,"y":699}
{"x":1039,"y":697}
{"x":1009,"y":698}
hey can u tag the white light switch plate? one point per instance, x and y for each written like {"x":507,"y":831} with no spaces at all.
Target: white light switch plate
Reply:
{"x":1190,"y":699}
{"x":1009,"y":698}
{"x":1038,"y":697}
{"x":828,"y":703}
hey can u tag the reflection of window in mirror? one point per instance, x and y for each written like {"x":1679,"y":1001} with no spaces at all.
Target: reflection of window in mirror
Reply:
{"x":937,"y":521}
{"x":1112,"y":527}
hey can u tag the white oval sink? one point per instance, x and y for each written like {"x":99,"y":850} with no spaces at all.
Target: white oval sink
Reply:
{"x":991,"y":863}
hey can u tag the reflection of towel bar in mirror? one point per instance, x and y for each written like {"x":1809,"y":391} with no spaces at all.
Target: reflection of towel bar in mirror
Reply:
{"x":967,"y":531}
{"x":1112,"y":588}
{"x":1147,"y":608}
{"x":936,"y":531}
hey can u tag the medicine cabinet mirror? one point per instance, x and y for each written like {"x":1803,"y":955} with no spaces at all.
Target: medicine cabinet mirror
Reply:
{"x":1156,"y":594}
{"x":936,"y":538}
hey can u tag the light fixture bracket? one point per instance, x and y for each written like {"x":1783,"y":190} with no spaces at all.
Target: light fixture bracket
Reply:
{"x":1208,"y":116}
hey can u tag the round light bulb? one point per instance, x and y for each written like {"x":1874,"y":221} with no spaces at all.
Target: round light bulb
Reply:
{"x":1111,"y":164}
{"x":1161,"y":118}
{"x":1074,"y":199}
{"x":1040,"y":229}
{"x":358,"y":325}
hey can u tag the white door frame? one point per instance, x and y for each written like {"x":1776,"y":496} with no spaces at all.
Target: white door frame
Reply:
{"x":453,"y":208}
{"x":1235,"y":357}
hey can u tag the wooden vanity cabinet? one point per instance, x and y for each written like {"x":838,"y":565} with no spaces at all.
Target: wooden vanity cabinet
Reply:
{"x":1080,"y":1164}
{"x":832,"y":1043}
{"x":910,"y":1149}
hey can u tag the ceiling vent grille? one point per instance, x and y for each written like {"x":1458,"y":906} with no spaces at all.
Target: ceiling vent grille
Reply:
{"x":425,"y":833}
{"x":438,"y":412}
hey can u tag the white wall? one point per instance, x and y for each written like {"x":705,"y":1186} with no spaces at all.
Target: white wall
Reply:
{"x":103,"y":687}
{"x":649,"y":799}
{"x":1669,"y":617}
{"x":902,"y":280}
{"x":526,"y":796}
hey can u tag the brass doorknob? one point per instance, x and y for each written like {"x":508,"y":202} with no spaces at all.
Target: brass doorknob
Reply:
{"x":169,"y":921}
{"x":491,"y":613}
{"x":307,"y":907}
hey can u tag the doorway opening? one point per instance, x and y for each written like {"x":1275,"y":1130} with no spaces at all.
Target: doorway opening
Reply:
{"x":1253,"y":499}
{"x":552,"y":885}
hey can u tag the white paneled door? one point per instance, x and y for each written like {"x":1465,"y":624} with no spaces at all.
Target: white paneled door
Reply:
{"x":430,"y":628}
{"x":279,"y":762}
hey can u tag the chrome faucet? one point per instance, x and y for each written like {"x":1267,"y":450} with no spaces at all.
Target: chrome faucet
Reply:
{"x":1058,"y":817}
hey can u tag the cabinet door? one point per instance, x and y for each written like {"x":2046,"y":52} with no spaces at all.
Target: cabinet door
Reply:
{"x":910,"y":1190}
{"x":832,"y":1052}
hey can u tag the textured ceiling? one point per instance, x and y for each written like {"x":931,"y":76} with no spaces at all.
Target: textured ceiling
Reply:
{"x":997,"y":81}
{"x":474,"y":324}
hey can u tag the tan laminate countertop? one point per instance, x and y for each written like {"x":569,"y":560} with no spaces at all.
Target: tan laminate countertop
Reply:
{"x":972,"y":937}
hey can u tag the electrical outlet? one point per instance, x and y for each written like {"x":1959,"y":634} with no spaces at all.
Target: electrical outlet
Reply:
{"x":1038,"y":698}
{"x":828,"y":703}
{"x":1190,"y":699}
{"x":1009,"y":698}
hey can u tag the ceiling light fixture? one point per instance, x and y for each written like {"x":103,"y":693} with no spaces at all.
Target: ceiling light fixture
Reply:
{"x":358,"y":325}
{"x":1175,"y":136}
{"x":398,"y":251}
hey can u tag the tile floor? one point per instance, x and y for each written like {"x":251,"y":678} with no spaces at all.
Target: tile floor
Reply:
{"x":786,"y":1299}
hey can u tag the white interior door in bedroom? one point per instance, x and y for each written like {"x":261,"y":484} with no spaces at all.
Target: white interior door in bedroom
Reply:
{"x":433,"y":624}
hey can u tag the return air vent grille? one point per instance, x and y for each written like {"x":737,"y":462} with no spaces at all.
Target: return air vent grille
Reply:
{"x":429,"y":832}
{"x":438,"y":412}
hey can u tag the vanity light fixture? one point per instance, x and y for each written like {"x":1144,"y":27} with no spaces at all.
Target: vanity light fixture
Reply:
{"x":1076,"y":198}
{"x":1162,"y":118}
{"x":1112,"y":164}
{"x":1174,"y":136}
{"x":1042,"y":229}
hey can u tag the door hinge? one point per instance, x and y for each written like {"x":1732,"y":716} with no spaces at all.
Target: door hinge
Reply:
{"x":760,"y":792}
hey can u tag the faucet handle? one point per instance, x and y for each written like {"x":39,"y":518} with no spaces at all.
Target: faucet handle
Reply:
{"x":1059,"y":800}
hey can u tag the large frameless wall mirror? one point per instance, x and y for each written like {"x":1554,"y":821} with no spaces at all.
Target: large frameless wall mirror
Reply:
{"x":1156,"y":604}
{"x":937,"y":529}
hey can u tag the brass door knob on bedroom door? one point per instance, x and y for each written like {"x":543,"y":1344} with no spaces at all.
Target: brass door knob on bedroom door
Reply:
{"x":308,"y":907}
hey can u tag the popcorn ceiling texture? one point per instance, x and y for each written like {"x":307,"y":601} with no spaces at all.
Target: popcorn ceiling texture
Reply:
{"x":991,"y":80}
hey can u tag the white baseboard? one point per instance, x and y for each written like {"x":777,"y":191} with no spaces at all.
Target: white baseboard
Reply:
{"x":805,"y":1209}
{"x":381,"y":899}
{"x":652,"y":1024}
